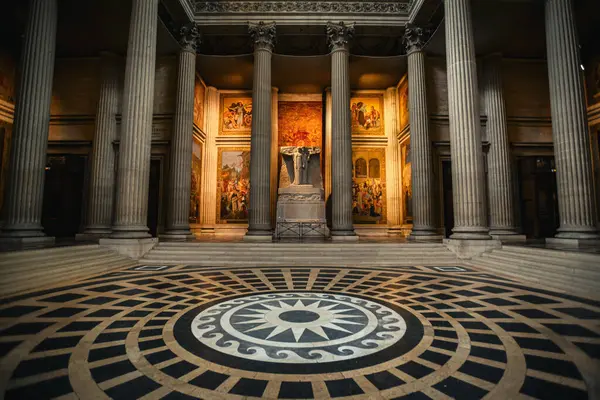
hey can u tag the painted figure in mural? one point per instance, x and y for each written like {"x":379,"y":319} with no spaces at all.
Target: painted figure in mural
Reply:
{"x":300,"y":157}
{"x":235,"y":185}
{"x":367,"y":200}
{"x":237,"y":116}
{"x":367,"y":117}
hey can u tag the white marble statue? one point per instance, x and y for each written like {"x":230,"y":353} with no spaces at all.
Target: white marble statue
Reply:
{"x":300,"y":157}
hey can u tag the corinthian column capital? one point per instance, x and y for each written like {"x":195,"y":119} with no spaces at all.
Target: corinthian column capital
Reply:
{"x":263,"y":35}
{"x":339,"y":35}
{"x":415,"y":38}
{"x":189,"y":37}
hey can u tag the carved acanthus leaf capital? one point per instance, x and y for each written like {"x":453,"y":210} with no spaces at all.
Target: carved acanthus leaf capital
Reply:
{"x":189,"y":37}
{"x":263,"y":35}
{"x":415,"y":38}
{"x":339,"y":35}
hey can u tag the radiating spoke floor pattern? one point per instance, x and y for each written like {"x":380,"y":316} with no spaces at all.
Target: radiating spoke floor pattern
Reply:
{"x":178,"y":332}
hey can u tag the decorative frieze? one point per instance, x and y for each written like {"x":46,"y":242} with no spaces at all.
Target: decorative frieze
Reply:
{"x":355,"y":7}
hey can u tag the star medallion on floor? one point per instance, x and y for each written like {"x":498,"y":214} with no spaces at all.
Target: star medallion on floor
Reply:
{"x":183,"y":332}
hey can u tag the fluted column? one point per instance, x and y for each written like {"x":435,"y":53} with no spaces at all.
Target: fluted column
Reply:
{"x":259,"y":213}
{"x":339,"y":36}
{"x":133,"y":173}
{"x":569,"y":126}
{"x":470,"y":220}
{"x":25,"y":188}
{"x":180,"y":160}
{"x":424,"y":226}
{"x":102,"y":177}
{"x":208,"y":190}
{"x":392,"y":161}
{"x":500,"y":186}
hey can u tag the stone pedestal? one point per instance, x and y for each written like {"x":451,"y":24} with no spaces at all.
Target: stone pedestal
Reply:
{"x":467,"y":249}
{"x":132,"y":248}
{"x":301,"y":204}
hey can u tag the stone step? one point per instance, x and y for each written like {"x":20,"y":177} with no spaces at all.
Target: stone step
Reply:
{"x":38,"y":282}
{"x":258,"y":254}
{"x":553,"y":254}
{"x":26,"y":262}
{"x":303,"y":245}
{"x":299,"y":262}
{"x":527,"y":273}
{"x":560,"y":267}
{"x":12,"y":255}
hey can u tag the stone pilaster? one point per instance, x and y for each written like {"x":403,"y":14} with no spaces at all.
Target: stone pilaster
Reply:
{"x":500,"y":186}
{"x":208,"y":190}
{"x":569,"y":128}
{"x":133,"y":173}
{"x":424,"y":225}
{"x":470,"y":220}
{"x":102,"y":177}
{"x":339,"y":36}
{"x":180,"y":160}
{"x":274,"y":153}
{"x":25,"y":187}
{"x":259,"y":213}
{"x":392,"y":162}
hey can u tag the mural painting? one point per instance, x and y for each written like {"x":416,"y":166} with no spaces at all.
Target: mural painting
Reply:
{"x":368,"y":186}
{"x":233,"y":188}
{"x":199,"y":91}
{"x":300,"y":123}
{"x":7,"y":77}
{"x":236,"y":113}
{"x":407,"y":182}
{"x":403,"y":104}
{"x":196,"y":174}
{"x":367,"y":115}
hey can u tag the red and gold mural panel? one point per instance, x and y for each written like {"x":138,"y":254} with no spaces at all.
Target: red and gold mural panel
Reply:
{"x":369,"y":205}
{"x":199,"y":91}
{"x":236,"y":115}
{"x":403,"y":104}
{"x":366,"y":113}
{"x":300,"y":123}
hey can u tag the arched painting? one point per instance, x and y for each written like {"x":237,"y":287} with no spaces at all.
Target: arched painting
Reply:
{"x":360,"y":168}
{"x":374,"y":168}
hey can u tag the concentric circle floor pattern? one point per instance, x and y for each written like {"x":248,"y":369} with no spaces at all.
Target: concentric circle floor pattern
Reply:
{"x":190,"y":332}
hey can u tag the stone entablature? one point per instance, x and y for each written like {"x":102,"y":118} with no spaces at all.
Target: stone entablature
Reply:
{"x":289,"y":12}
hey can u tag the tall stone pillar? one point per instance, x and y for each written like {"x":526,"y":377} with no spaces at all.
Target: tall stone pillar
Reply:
{"x":25,"y":188}
{"x":133,"y":173}
{"x":569,"y":128}
{"x":470,"y":220}
{"x":208,"y":190}
{"x":339,"y":36}
{"x":102,"y":179}
{"x":180,"y":160}
{"x":130,"y":229}
{"x":259,"y":213}
{"x":500,"y":185}
{"x":424,"y":225}
{"x":392,"y":162}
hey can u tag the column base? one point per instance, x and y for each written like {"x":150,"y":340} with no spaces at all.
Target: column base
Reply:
{"x":25,"y":243}
{"x":467,"y":249}
{"x":344,"y":236}
{"x":433,"y":237}
{"x":509,"y":238}
{"x":176,"y":237}
{"x":132,"y":248}
{"x":130,"y":232}
{"x":395,"y":230}
{"x":572,"y":243}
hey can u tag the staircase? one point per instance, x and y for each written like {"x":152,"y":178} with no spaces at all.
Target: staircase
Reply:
{"x":300,"y":254}
{"x":34,"y":269}
{"x":572,"y":272}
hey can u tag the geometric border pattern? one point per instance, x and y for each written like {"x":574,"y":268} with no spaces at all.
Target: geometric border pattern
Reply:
{"x":113,"y":336}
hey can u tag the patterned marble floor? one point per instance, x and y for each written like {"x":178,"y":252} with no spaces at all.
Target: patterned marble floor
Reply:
{"x":183,"y":332}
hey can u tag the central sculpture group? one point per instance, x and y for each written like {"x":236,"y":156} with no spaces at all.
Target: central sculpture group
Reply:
{"x":300,"y":158}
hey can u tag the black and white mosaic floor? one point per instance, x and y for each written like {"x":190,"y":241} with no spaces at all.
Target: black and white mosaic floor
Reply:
{"x":184,"y":332}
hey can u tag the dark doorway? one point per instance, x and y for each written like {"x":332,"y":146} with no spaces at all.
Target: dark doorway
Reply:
{"x":447,"y":197}
{"x":63,"y":195}
{"x":154,"y":197}
{"x":538,"y":200}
